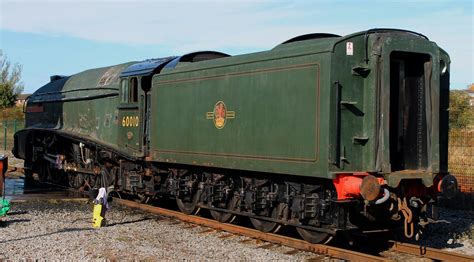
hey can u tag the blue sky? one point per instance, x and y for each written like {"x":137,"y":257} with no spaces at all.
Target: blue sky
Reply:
{"x":69,"y":36}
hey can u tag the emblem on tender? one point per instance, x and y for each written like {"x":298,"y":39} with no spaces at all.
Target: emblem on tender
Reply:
{"x":220,"y":115}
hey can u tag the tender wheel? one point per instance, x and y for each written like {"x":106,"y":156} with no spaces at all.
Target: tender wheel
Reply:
{"x":314,"y":237}
{"x":189,"y":205}
{"x":223,"y":197}
{"x":268,"y":226}
{"x":188,"y":195}
{"x":225,"y":217}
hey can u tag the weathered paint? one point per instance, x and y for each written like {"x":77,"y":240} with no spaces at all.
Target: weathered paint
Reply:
{"x":83,"y":104}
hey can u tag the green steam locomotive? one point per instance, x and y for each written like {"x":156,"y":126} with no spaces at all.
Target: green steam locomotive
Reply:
{"x":323,"y":133}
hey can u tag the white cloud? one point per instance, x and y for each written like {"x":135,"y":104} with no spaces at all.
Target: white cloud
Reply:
{"x":184,"y":26}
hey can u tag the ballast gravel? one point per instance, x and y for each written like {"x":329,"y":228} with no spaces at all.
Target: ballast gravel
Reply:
{"x":454,"y":232}
{"x":62,"y":230}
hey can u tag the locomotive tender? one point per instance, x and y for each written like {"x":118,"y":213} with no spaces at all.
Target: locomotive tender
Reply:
{"x":323,"y":133}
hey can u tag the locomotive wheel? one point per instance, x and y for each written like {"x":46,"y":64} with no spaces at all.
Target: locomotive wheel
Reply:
{"x":48,"y":173}
{"x":56,"y":176}
{"x":76,"y":180}
{"x":44,"y":171}
{"x":189,"y":205}
{"x":268,"y":226}
{"x":314,"y":237}
{"x":90,"y":181}
{"x":225,"y":217}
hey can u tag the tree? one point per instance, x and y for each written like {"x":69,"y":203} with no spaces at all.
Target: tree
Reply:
{"x":461,"y":114}
{"x":470,"y":88}
{"x":10,"y":81}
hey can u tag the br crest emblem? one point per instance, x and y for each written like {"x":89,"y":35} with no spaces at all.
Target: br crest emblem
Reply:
{"x":220,"y":115}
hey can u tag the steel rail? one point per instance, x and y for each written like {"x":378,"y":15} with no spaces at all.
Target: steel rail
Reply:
{"x":428,"y":252}
{"x":252,"y":233}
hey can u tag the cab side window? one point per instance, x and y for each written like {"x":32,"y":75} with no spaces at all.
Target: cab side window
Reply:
{"x":133,"y":90}
{"x":124,"y":90}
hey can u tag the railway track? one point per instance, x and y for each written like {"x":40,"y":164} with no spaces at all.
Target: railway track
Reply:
{"x":428,"y":252}
{"x":297,"y":244}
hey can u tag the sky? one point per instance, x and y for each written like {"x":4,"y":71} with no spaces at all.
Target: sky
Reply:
{"x":70,"y":36}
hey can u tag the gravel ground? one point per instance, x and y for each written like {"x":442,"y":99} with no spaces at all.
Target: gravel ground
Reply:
{"x":62,"y":230}
{"x":57,"y":230}
{"x":456,"y":233}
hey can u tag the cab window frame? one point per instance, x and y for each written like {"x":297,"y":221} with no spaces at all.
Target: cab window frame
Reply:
{"x":133,"y":89}
{"x":124,"y":90}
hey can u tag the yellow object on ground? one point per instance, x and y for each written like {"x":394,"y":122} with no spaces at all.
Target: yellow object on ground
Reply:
{"x":100,"y":206}
{"x":98,"y":215}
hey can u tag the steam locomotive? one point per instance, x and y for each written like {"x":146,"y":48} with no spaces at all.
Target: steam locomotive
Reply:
{"x":323,"y":133}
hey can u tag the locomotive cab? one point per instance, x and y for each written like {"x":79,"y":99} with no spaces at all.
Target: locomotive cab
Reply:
{"x":129,"y":114}
{"x":135,"y":98}
{"x":132,"y":111}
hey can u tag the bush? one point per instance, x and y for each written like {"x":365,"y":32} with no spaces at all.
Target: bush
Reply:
{"x":461,"y":114}
{"x":12,"y":113}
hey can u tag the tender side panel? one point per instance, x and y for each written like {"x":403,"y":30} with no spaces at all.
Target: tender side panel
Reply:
{"x":271,"y":121}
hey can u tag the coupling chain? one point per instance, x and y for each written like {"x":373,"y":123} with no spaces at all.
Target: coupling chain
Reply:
{"x":408,"y":215}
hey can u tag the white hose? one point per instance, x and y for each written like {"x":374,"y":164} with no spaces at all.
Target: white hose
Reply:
{"x":386,"y":195}
{"x":87,"y":161}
